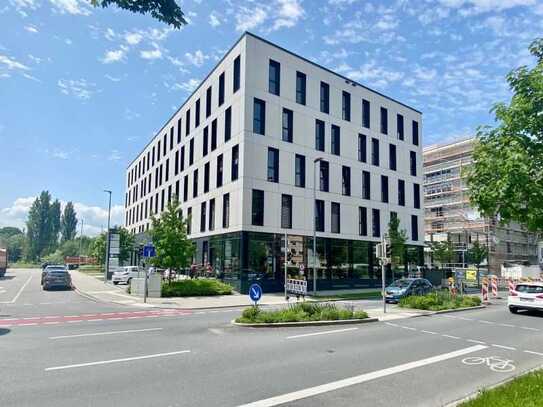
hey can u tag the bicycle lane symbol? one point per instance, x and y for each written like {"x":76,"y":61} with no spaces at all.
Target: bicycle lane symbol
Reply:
{"x":494,"y":363}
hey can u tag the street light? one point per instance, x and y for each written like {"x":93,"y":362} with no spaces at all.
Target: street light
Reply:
{"x":106,"y":269}
{"x":315,"y":161}
{"x":80,"y":241}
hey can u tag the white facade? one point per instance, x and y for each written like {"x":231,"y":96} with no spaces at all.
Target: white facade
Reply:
{"x":255,"y":55}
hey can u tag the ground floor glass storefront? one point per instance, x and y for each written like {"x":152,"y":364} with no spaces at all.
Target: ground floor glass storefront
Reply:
{"x":243,"y":258}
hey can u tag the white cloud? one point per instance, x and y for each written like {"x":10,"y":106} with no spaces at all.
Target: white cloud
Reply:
{"x":214,"y":20}
{"x":248,"y":19}
{"x":133,"y":38}
{"x":151,"y":54}
{"x":114,"y":56}
{"x":187,"y":86}
{"x":114,"y":155}
{"x":290,"y":11}
{"x":12,"y":64}
{"x":196,"y":59}
{"x":74,"y":7}
{"x":31,"y":29}
{"x":470,"y":7}
{"x":79,"y":88}
{"x":112,"y":78}
{"x":110,"y":34}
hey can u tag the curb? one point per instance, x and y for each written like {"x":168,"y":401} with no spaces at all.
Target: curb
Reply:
{"x":305,"y":323}
{"x":475,"y":394}
{"x":424,"y":313}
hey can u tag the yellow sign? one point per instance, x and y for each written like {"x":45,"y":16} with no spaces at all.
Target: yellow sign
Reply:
{"x":471,"y":274}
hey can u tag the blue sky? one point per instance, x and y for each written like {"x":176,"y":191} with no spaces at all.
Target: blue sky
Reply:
{"x":82,"y":90}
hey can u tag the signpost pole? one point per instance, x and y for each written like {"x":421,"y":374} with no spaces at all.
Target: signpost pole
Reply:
{"x":106,"y":270}
{"x":383,"y":274}
{"x":285,"y":260}
{"x":145,"y":285}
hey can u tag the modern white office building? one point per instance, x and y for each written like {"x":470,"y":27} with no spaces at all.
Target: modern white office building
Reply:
{"x":241,"y":154}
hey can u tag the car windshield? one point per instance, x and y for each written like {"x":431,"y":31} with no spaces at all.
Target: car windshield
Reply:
{"x":401,"y":283}
{"x":529,"y":289}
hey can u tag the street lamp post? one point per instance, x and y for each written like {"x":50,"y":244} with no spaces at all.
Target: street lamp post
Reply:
{"x":106,"y":269}
{"x":80,"y":242}
{"x":315,"y":161}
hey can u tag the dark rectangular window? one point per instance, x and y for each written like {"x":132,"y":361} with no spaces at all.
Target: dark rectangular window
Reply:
{"x":416,"y":196}
{"x":366,"y":185}
{"x":365,"y":113}
{"x":346,"y":106}
{"x":257,"y":215}
{"x":319,"y":215}
{"x":259,"y":116}
{"x":226,"y":210}
{"x":227,"y":124}
{"x":169,"y":193}
{"x":346,"y":180}
{"x":165,"y":145}
{"x":195,"y":183}
{"x":176,"y":165}
{"x":206,"y":177}
{"x":160,"y":175}
{"x":376,"y":223}
{"x":401,"y":192}
{"x":319,"y":135}
{"x":384,"y":188}
{"x":177,"y":190}
{"x":208,"y":102}
{"x":287,"y":125}
{"x":336,"y":218}
{"x":162,"y":201}
{"x":325,"y":97}
{"x":171,"y":138}
{"x":167,"y":170}
{"x":413,"y":163}
{"x":415,"y":131}
{"x":205,"y":141}
{"x":362,"y":221}
{"x":189,"y":221}
{"x":375,"y":151}
{"x":399,"y":126}
{"x":286,"y":211}
{"x":274,"y":83}
{"x":214,"y":134}
{"x":300,"y":87}
{"x":197,"y":114}
{"x":273,"y":164}
{"x":187,"y":123}
{"x":384,"y":120}
{"x":414,"y":228}
{"x":221,"y":89}
{"x":362,"y":148}
{"x":392,"y":157}
{"x":324,"y":176}
{"x":235,"y":163}
{"x":182,"y":159}
{"x":185,"y":188}
{"x":158,"y":151}
{"x":191,"y":151}
{"x":300,"y":170}
{"x":203,"y":217}
{"x":178,"y":131}
{"x":237,"y":73}
{"x":211,"y":214}
{"x":336,"y":140}
{"x":219,"y":170}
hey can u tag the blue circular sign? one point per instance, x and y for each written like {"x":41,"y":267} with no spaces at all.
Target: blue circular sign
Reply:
{"x":255,"y":292}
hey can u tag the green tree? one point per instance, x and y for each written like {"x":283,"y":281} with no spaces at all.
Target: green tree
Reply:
{"x":506,"y":178}
{"x":397,"y":237}
{"x":169,"y":234}
{"x":476,"y":254}
{"x":38,"y":227}
{"x":9,"y":231}
{"x":126,"y":241}
{"x":15,"y":245}
{"x":54,"y":221}
{"x":68,"y":223}
{"x":166,"y":11}
{"x":69,"y":248}
{"x":442,"y":252}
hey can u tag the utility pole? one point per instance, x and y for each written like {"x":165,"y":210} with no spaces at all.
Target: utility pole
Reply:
{"x":285,"y":260}
{"x":80,"y":242}
{"x":106,"y":269}
{"x":381,"y":251}
{"x":315,"y":161}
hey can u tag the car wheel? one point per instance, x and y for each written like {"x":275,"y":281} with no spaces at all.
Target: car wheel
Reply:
{"x":513,"y":310}
{"x":115,"y":282}
{"x":128,"y":281}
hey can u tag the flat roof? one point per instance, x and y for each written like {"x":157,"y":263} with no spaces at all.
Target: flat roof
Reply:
{"x":280,"y":48}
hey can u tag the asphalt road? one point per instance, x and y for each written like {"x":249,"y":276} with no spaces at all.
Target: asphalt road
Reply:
{"x":65,"y":350}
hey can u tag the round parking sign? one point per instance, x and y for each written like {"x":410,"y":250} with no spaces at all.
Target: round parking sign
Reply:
{"x":255,"y":292}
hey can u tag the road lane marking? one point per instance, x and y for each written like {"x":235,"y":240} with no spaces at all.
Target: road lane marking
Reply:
{"x":19,"y":292}
{"x":322,"y":333}
{"x":529,"y":328}
{"x":504,"y":347}
{"x":429,"y":332}
{"x":129,"y":331}
{"x":508,"y":325}
{"x":340,"y":384}
{"x":105,"y":362}
{"x":474,"y":341}
{"x":451,"y":336}
{"x":408,"y":328}
{"x":482,"y":321}
{"x":531,"y":352}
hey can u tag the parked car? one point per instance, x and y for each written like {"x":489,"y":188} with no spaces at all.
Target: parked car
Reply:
{"x":57,"y":279}
{"x":526,"y":296}
{"x":125,"y":274}
{"x":51,"y":267}
{"x":405,"y":287}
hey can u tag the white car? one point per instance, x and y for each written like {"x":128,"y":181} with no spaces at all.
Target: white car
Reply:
{"x":526,"y":296}
{"x":125,"y":274}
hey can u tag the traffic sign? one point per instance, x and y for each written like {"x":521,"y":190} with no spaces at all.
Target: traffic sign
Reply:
{"x":255,"y":292}
{"x":302,"y":269}
{"x":149,"y":250}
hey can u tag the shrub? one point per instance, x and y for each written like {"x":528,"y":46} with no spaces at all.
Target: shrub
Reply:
{"x":438,"y":301}
{"x":195,"y":288}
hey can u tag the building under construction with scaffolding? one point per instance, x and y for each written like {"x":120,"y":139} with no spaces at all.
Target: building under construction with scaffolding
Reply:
{"x":449,"y":215}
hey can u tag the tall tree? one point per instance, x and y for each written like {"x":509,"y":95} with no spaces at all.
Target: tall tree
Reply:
{"x":39,"y":227}
{"x":68,"y":224}
{"x":169,"y":234}
{"x":476,"y":254}
{"x":397,"y":237}
{"x":127,"y":243}
{"x":443,"y":252}
{"x":506,"y":178}
{"x":54,"y":220}
{"x":166,"y":11}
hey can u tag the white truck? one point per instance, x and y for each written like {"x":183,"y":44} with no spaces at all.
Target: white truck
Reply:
{"x":3,"y":261}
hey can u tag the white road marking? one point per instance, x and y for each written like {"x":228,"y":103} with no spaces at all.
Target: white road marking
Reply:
{"x":485,"y":322}
{"x":474,"y":341}
{"x":451,"y":336}
{"x":322,"y":333}
{"x":504,"y":347}
{"x":429,"y":332}
{"x":19,"y":292}
{"x":95,"y":319}
{"x":508,"y":325}
{"x":105,"y":362}
{"x":31,"y":324}
{"x":408,"y":328}
{"x":325,"y":388}
{"x":533,"y":353}
{"x":129,"y":331}
{"x":71,"y":322}
{"x":529,"y":328}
